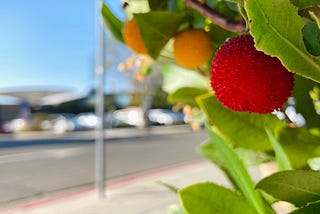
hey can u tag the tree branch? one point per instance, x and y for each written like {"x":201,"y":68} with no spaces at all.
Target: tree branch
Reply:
{"x":215,"y":17}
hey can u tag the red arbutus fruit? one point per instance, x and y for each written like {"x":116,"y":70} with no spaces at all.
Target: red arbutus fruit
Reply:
{"x":245,"y":79}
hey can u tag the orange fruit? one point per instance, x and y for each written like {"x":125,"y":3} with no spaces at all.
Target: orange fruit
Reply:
{"x":132,"y":37}
{"x":192,"y":48}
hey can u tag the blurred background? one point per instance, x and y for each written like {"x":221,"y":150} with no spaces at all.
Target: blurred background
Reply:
{"x":47,"y":104}
{"x":47,"y":60}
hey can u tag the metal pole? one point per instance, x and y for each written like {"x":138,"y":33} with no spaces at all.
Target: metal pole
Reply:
{"x":99,"y":108}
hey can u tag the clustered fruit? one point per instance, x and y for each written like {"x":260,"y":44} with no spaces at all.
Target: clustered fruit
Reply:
{"x":242,"y":78}
{"x":132,"y":37}
{"x":191,"y":48}
{"x":245,"y":79}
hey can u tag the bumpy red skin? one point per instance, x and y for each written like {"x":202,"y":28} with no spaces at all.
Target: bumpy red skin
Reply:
{"x":245,"y":79}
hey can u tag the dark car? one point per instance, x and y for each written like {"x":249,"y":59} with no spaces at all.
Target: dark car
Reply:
{"x":4,"y":129}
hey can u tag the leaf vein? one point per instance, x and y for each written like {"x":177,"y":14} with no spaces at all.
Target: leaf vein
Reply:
{"x":291,"y":186}
{"x":300,"y":52}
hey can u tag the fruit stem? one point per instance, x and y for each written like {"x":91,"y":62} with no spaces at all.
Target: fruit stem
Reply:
{"x":217,"y":18}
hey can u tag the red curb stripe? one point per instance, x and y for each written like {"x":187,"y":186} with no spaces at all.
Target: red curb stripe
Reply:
{"x":152,"y":173}
{"x":122,"y":182}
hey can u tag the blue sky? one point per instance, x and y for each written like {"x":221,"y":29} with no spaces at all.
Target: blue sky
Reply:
{"x":52,"y":43}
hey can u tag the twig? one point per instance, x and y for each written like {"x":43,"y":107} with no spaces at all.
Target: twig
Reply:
{"x":215,"y":17}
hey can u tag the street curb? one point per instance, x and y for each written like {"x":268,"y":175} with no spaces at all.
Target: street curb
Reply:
{"x":118,"y":183}
{"x":38,"y":138}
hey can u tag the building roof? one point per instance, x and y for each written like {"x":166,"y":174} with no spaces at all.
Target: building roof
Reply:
{"x":41,"y":96}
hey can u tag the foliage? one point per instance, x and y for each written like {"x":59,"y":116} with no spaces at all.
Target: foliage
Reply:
{"x":298,"y":187}
{"x":211,"y":198}
{"x":286,"y":29}
{"x":236,"y":170}
{"x":277,"y":30}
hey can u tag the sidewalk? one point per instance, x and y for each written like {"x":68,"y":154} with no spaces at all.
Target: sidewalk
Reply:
{"x":140,"y":194}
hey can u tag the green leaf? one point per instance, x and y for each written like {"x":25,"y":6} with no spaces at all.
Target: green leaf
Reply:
{"x":112,"y":22}
{"x":212,"y":3}
{"x":228,"y":9}
{"x":175,"y":78}
{"x":311,"y":38}
{"x":236,"y":1}
{"x":309,"y":209}
{"x":253,"y":158}
{"x":219,"y":35}
{"x":247,"y":157}
{"x":315,"y":18}
{"x":241,"y":129}
{"x":157,"y":28}
{"x":208,"y":198}
{"x":277,"y":31}
{"x":304,"y":104}
{"x":243,"y":13}
{"x":236,"y":169}
{"x":186,"y":95}
{"x":208,"y":150}
{"x":158,"y":5}
{"x":314,"y":163}
{"x":198,"y":20}
{"x":299,"y":146}
{"x":298,"y":187}
{"x":304,"y":3}
{"x":176,"y":5}
{"x":281,"y":156}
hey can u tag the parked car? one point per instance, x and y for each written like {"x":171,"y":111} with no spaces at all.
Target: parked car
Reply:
{"x":133,"y":116}
{"x":166,"y":117}
{"x":17,"y":124}
{"x":78,"y":122}
{"x":4,"y":129}
{"x":62,"y":122}
{"x":129,"y":116}
{"x":85,"y":121}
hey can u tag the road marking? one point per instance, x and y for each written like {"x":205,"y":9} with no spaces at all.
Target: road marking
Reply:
{"x":40,"y":155}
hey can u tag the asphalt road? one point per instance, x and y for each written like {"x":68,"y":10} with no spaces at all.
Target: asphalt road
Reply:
{"x":34,"y":167}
